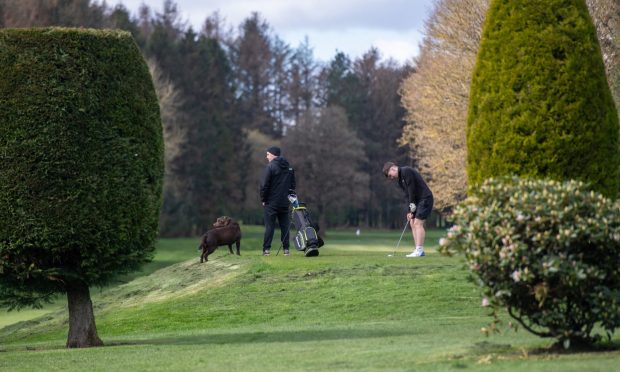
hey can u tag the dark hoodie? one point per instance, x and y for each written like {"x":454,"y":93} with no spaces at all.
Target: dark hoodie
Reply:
{"x":411,"y":182}
{"x":278,"y":179}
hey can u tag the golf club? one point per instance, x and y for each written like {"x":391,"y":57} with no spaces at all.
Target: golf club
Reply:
{"x":401,"y":238}
{"x":292,"y":197}
{"x":285,"y":237}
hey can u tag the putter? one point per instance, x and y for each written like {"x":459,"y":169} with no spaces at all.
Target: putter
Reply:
{"x":285,"y":237}
{"x":401,"y":238}
{"x":293,"y":199}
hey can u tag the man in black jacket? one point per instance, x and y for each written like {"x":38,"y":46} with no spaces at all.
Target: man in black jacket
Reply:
{"x":419,"y":200}
{"x":277,"y":182}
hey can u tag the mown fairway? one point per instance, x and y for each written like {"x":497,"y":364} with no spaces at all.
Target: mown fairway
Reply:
{"x":351,"y":308}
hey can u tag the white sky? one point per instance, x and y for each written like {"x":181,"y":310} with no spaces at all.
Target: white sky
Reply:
{"x":349,"y":26}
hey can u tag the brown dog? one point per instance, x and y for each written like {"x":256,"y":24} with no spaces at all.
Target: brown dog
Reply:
{"x":226,"y":232}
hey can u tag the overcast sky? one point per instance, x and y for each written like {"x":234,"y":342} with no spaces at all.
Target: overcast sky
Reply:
{"x":349,"y":26}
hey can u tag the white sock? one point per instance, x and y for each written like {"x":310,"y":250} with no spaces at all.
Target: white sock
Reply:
{"x":419,"y":248}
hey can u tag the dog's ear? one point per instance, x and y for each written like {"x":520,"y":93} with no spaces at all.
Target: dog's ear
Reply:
{"x":222,"y":221}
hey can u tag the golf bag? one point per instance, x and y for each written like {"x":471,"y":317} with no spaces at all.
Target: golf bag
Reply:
{"x":306,"y":239}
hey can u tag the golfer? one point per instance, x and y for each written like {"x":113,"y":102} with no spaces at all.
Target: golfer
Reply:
{"x":419,"y":200}
{"x":277,"y":183}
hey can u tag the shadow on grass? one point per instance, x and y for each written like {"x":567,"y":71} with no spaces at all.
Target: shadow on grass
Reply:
{"x":485,"y":348}
{"x":598,"y":347}
{"x":266,"y":337}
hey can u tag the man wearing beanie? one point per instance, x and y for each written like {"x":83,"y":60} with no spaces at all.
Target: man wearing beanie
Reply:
{"x":277,"y":181}
{"x":419,"y":201}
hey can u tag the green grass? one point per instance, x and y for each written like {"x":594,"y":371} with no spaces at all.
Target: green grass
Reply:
{"x":351,"y":308}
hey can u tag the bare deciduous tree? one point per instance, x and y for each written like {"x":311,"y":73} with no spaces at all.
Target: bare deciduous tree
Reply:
{"x":606,"y":17}
{"x":327,"y":156}
{"x":174,"y":133}
{"x":169,"y":106}
{"x":436,"y":96}
{"x":71,"y":13}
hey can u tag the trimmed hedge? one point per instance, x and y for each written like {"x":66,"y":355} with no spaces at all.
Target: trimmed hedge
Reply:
{"x":540,"y":105}
{"x":82,"y":160}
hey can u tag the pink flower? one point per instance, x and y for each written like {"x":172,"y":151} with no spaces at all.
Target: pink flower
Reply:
{"x":485,"y":302}
{"x":516,"y":276}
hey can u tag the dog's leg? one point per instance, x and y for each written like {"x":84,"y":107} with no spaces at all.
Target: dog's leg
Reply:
{"x":230,"y":248}
{"x":202,"y":255}
{"x":209,"y":251}
{"x":238,"y":243}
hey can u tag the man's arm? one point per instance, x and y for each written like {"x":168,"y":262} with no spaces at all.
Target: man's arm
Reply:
{"x":265,"y":184}
{"x":293,"y":179}
{"x":409,"y":179}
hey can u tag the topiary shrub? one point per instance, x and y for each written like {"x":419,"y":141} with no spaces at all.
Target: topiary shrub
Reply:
{"x":81,"y":170}
{"x":540,"y":105}
{"x":547,"y":251}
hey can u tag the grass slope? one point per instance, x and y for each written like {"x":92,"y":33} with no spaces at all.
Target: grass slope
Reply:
{"x":351,"y":308}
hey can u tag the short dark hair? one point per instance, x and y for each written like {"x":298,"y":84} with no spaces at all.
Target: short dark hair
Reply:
{"x":387,"y":166}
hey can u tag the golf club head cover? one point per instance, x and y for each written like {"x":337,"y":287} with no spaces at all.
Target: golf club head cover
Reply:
{"x":412,"y":207}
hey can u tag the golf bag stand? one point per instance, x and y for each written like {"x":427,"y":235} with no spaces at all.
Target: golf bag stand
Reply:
{"x":306,"y":239}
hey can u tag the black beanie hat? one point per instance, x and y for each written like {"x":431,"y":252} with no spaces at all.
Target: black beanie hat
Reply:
{"x":274,"y":150}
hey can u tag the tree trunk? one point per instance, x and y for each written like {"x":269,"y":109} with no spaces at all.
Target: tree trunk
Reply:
{"x":82,"y":329}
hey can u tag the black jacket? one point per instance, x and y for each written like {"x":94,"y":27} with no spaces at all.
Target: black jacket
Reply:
{"x":278,"y":179}
{"x":413,"y":185}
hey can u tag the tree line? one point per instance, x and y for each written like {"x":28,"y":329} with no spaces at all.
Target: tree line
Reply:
{"x":227,"y":93}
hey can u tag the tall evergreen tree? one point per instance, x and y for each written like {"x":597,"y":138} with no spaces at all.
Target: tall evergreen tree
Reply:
{"x":368,"y":91}
{"x":302,"y":89}
{"x":339,"y":85}
{"x":540,"y":105}
{"x":120,"y":18}
{"x":165,"y":32}
{"x":252,"y":55}
{"x":279,"y":100}
{"x":213,"y":137}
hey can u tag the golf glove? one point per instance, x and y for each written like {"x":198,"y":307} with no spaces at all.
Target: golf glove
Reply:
{"x":412,"y":207}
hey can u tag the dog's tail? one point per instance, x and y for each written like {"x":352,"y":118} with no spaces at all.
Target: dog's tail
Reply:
{"x":202,"y":243}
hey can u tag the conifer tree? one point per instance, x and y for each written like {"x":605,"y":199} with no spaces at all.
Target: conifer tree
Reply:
{"x":81,"y":170}
{"x":540,"y":105}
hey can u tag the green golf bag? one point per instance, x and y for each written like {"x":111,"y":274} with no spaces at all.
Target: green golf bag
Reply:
{"x":306,"y":239}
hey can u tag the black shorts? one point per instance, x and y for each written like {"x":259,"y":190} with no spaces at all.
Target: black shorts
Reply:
{"x":423,"y":208}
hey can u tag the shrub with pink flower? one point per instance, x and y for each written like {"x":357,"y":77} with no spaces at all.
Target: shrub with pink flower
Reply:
{"x":546,"y":251}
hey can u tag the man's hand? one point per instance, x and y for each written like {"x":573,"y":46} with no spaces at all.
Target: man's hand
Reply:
{"x":409,"y":216}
